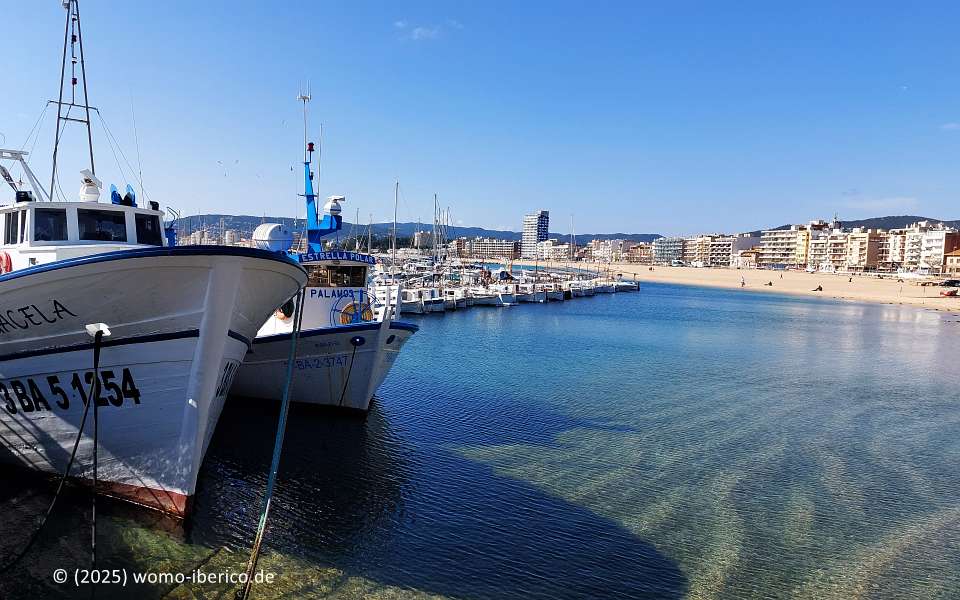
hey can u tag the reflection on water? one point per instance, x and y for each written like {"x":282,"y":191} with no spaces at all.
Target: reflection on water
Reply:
{"x":679,"y":442}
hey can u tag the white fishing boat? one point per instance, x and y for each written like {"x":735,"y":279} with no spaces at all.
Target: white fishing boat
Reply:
{"x":506,"y":294}
{"x":481,"y":296}
{"x":604,"y":286}
{"x":554,"y":292}
{"x":177,"y":323}
{"x":386,"y":300}
{"x":529,"y":292}
{"x":455,"y":297}
{"x":344,"y":353}
{"x":411,"y":302}
{"x":574,"y":288}
{"x":433,"y":300}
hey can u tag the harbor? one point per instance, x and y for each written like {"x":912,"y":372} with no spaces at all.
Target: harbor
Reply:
{"x":628,"y":479}
{"x":237,"y":362}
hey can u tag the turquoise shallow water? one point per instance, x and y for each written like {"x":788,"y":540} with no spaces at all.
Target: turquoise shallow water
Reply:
{"x":680,"y":442}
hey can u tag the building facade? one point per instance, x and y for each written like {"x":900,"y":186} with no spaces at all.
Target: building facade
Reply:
{"x":536,"y":228}
{"x":778,"y":247}
{"x":553,"y":250}
{"x":641,"y":254}
{"x":863,"y":250}
{"x":667,"y":250}
{"x":491,"y":248}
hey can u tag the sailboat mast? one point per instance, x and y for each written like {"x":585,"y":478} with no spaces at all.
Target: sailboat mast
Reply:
{"x":396,"y":196}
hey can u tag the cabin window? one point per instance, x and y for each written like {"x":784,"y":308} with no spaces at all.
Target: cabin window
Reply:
{"x":336,"y":276}
{"x":49,"y":224}
{"x":148,"y":230}
{"x":11,"y":227}
{"x":347,"y":276}
{"x":102,"y":225}
{"x":23,"y":226}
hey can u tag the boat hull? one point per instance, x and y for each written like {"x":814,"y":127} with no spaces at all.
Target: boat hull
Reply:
{"x":435,"y":305}
{"x":180,"y":320}
{"x":339,"y":367}
{"x":413,"y":308}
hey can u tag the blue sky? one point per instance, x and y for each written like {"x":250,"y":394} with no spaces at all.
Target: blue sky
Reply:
{"x":676,"y":117}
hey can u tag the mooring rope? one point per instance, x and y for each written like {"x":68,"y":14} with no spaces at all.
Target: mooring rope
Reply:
{"x":244,"y":592}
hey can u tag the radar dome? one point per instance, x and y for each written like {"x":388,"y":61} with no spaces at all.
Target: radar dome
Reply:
{"x":89,"y":186}
{"x":274,"y":237}
{"x":332,"y":207}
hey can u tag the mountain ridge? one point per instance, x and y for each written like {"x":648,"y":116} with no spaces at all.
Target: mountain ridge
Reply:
{"x":245,"y":224}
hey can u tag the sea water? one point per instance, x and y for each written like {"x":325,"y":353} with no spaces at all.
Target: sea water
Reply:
{"x":679,"y":442}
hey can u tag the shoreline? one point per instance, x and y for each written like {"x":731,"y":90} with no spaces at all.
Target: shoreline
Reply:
{"x":797,"y":283}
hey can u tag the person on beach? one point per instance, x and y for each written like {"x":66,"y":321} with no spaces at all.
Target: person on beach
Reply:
{"x":743,"y":282}
{"x":819,"y":288}
{"x":770,"y":283}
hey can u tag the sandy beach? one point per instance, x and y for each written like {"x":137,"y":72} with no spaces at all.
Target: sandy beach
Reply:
{"x":860,"y":289}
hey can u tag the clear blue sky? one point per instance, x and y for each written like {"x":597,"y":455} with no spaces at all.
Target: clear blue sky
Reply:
{"x":671,"y":117}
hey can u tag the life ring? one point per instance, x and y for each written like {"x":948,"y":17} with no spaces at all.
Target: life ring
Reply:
{"x":6,"y":263}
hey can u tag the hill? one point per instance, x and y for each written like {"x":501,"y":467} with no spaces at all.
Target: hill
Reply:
{"x":889,"y":222}
{"x":245,"y":224}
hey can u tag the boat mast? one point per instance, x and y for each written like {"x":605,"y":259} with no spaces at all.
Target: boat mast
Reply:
{"x":72,"y":33}
{"x":396,"y":198}
{"x":435,"y":254}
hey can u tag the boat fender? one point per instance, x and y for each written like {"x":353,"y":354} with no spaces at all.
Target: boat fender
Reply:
{"x":6,"y":263}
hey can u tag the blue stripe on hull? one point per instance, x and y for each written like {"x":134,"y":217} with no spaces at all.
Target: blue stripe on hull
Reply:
{"x":310,"y":333}
{"x":149,"y":253}
{"x":107,"y":343}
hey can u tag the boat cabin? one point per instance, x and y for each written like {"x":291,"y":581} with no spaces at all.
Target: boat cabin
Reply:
{"x":35,"y":233}
{"x":336,"y":292}
{"x":35,"y":230}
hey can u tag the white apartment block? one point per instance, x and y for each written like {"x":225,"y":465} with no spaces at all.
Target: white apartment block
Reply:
{"x":536,"y":227}
{"x":779,"y":246}
{"x":553,"y":250}
{"x":667,"y":250}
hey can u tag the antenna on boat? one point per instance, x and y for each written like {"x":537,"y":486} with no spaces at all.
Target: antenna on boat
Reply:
{"x":72,"y":34}
{"x":307,"y":147}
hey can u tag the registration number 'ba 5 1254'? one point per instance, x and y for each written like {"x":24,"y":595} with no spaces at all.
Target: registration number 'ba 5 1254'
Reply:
{"x":113,"y":387}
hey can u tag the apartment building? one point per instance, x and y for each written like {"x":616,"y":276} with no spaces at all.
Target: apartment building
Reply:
{"x":492,"y":248}
{"x":778,"y":247}
{"x":934,"y":246}
{"x":951,"y":263}
{"x":721,"y":251}
{"x":667,"y":250}
{"x":746,"y":259}
{"x":818,"y":254}
{"x":641,"y":253}
{"x":696,"y":250}
{"x":863,"y":250}
{"x":837,"y":249}
{"x":536,"y":228}
{"x":553,"y":250}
